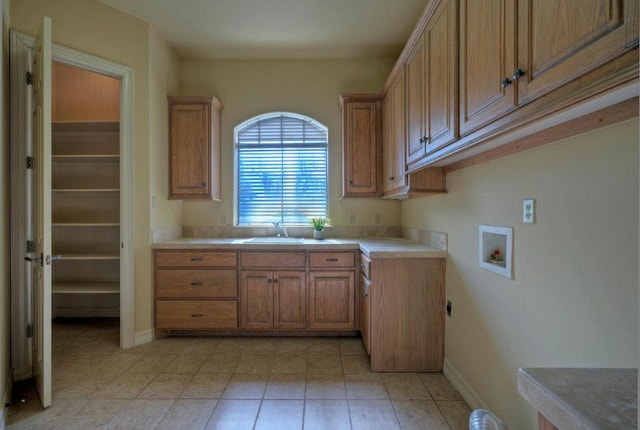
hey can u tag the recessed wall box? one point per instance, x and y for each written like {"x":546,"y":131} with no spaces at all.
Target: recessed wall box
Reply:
{"x":495,"y":249}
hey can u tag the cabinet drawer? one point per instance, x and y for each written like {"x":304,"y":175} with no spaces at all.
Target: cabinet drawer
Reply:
{"x":195,"y":259}
{"x":186,"y":314}
{"x":196,"y":283}
{"x":331,"y":259}
{"x":269,"y":260}
{"x":365,"y":265}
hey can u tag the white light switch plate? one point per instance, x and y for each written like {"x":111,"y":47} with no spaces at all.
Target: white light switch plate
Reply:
{"x":529,"y":211}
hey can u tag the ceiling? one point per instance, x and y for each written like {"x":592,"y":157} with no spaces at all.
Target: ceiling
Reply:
{"x":279,"y":29}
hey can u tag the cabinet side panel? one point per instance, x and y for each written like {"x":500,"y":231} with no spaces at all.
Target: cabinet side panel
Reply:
{"x":407,"y":315}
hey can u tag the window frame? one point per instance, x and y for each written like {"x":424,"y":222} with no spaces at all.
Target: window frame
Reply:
{"x":239,"y":128}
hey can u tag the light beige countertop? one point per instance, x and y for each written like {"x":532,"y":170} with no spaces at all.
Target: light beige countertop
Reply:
{"x":372,"y":247}
{"x":583,"y":399}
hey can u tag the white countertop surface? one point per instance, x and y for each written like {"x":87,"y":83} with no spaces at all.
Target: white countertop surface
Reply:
{"x":372,"y":247}
{"x":583,"y":399}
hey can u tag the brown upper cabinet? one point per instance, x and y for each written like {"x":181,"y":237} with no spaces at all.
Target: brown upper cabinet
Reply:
{"x":477,"y":70}
{"x":432,"y":87}
{"x":361,"y":145}
{"x":393,"y":108}
{"x":515,"y":51}
{"x":397,"y":184}
{"x":194,"y":148}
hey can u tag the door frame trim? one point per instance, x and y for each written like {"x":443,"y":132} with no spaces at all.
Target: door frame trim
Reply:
{"x":20,"y":47}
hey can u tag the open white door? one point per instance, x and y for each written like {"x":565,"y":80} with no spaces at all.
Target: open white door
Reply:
{"x":40,"y":258}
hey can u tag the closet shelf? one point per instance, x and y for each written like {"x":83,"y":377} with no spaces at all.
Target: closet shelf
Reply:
{"x":86,"y":190}
{"x":85,"y":224}
{"x":86,"y":157}
{"x":90,"y":256}
{"x":85,"y":288}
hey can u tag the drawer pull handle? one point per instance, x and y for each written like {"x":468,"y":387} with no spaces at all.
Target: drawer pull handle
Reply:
{"x":196,"y":258}
{"x":332,"y":259}
{"x":197,"y":315}
{"x":196,"y":284}
{"x":362,"y":265}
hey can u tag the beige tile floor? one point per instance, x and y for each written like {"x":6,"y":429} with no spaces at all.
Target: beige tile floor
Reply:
{"x":229,"y":383}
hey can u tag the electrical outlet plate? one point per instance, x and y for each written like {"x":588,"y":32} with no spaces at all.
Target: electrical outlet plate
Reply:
{"x":529,"y":211}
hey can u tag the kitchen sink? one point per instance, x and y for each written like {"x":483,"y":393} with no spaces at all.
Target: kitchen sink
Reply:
{"x":274,"y":239}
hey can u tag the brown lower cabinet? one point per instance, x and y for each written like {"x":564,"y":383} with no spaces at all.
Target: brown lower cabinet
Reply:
{"x":332,"y":300}
{"x":402,"y":313}
{"x":272,"y":299}
{"x":195,"y":290}
{"x":255,"y":291}
{"x":196,"y":314}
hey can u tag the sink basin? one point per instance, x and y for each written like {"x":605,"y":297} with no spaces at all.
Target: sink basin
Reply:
{"x":287,"y":240}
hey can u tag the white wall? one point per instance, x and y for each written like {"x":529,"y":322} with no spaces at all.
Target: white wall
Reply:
{"x":574,"y":297}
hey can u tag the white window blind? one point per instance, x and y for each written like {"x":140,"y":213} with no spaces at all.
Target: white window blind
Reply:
{"x":281,"y":169}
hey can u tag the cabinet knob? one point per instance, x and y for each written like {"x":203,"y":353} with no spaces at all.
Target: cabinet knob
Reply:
{"x":204,"y":184}
{"x":269,"y":281}
{"x":391,"y":178}
{"x":518,"y":73}
{"x":506,"y":82}
{"x":424,"y":139}
{"x":275,"y":281}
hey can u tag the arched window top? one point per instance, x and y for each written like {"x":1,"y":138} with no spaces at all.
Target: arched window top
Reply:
{"x":281,"y":169}
{"x":281,"y":128}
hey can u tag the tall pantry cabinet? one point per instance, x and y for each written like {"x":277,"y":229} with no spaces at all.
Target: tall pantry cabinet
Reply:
{"x":85,"y":193}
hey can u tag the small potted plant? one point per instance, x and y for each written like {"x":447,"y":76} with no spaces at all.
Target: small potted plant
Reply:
{"x":318,"y":227}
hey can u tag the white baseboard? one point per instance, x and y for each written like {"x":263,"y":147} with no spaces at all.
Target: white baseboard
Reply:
{"x":459,"y":383}
{"x":142,"y":337}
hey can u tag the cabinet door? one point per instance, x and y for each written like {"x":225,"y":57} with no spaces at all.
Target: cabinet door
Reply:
{"x":394,"y":136}
{"x":365,"y":311}
{"x":194,"y":148}
{"x":332,"y":300}
{"x":399,"y":131}
{"x":561,"y":41}
{"x":441,"y":68}
{"x":388,"y":144}
{"x":289,"y":301}
{"x":487,"y":57}
{"x":362,"y":146}
{"x":415,"y":103}
{"x":256,"y":294}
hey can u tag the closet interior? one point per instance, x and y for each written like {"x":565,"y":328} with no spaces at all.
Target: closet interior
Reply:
{"x":85,"y":193}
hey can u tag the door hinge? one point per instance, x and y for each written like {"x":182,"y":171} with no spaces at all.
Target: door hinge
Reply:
{"x":30,"y":330}
{"x":29,"y":162}
{"x":29,"y":78}
{"x":31,"y":246}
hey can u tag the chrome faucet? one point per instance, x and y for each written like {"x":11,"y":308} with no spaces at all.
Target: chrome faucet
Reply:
{"x":280,"y":230}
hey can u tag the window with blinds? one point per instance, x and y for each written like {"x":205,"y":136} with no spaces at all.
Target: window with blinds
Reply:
{"x":281,"y":169}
